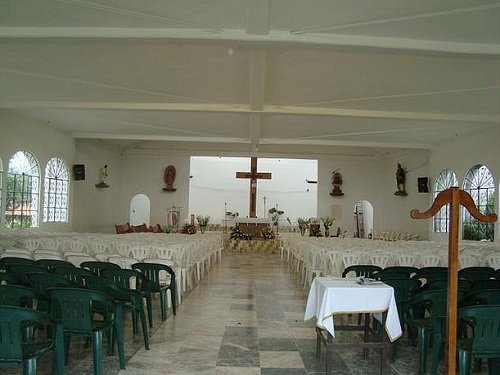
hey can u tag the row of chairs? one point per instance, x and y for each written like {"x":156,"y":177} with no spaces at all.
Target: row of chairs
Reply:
{"x":40,"y":278}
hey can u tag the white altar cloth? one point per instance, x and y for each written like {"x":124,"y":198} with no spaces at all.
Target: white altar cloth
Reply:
{"x":253,"y":220}
{"x":329,"y":296}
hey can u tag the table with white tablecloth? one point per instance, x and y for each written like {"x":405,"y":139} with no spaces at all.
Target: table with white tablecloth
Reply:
{"x":329,"y":296}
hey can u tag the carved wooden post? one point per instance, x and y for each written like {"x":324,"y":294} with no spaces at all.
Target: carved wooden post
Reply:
{"x":455,"y":197}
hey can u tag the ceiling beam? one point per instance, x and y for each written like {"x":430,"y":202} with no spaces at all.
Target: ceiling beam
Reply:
{"x":245,"y":109}
{"x":274,"y":36}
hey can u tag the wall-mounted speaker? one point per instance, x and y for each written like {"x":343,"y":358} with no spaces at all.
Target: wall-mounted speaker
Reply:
{"x":423,"y":184}
{"x":79,"y":172}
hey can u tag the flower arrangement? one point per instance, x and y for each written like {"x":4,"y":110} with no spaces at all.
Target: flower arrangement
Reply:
{"x":237,"y":234}
{"x":202,"y":220}
{"x":303,"y":222}
{"x":188,"y":229}
{"x":327,"y":221}
{"x":268,"y":233}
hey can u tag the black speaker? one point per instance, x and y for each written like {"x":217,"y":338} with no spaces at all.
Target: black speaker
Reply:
{"x":79,"y":172}
{"x":423,"y":184}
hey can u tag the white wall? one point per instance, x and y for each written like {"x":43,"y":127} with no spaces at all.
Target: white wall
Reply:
{"x":22,"y":133}
{"x":374,"y":180}
{"x":481,"y":147}
{"x":128,"y":174}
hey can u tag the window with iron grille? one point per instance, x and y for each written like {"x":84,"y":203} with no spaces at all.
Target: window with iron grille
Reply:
{"x":479,"y":184}
{"x":23,"y":189}
{"x":446,"y":179}
{"x":56,"y":192}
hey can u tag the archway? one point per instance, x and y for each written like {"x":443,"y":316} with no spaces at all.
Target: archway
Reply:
{"x":140,"y":207}
{"x":363,"y":219}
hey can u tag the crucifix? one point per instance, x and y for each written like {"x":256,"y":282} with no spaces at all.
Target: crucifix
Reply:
{"x":253,"y":175}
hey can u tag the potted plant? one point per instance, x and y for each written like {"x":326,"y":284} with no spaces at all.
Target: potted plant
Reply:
{"x":275,"y":214}
{"x":202,"y":222}
{"x":303,"y":224}
{"x":327,"y":223}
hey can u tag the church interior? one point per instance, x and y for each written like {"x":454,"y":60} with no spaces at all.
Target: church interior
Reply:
{"x":314,"y":128}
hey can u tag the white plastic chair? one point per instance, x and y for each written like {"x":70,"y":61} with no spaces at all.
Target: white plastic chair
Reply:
{"x":78,"y":259}
{"x":430,"y":260}
{"x":123,"y":262}
{"x":380,"y":260}
{"x":31,"y":243}
{"x":468,"y":260}
{"x":406,"y":260}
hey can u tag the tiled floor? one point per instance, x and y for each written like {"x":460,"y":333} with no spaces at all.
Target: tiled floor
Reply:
{"x":245,"y":318}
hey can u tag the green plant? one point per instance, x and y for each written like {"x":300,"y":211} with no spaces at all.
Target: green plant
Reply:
{"x":202,"y":220}
{"x":275,"y":215}
{"x":327,"y":221}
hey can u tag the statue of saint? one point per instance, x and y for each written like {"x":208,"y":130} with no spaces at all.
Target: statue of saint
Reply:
{"x":103,"y":174}
{"x":169,"y":178}
{"x":400,"y":181}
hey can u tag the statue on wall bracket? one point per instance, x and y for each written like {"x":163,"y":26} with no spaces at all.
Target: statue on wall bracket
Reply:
{"x":336,"y":182}
{"x":169,"y":178}
{"x":103,"y":174}
{"x":400,"y":181}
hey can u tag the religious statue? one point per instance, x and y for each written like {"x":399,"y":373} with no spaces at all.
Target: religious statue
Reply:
{"x":169,"y":178}
{"x":400,"y":181}
{"x":336,"y":182}
{"x":103,"y":174}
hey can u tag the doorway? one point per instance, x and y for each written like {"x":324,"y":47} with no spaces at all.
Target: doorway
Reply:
{"x":363,"y":219}
{"x":140,"y":207}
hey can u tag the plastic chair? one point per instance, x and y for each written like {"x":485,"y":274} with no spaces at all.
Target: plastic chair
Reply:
{"x":129,"y":279}
{"x":76,"y":309}
{"x":485,"y":342}
{"x":72,"y":273}
{"x":6,"y":261}
{"x":482,"y":297}
{"x":435,"y":305}
{"x":408,"y":270}
{"x":485,"y":284}
{"x":131,"y":301}
{"x":20,"y":296}
{"x":123,"y":262}
{"x":476,"y":273}
{"x":20,"y":349}
{"x":8,"y":279}
{"x":97,"y":267}
{"x":403,"y":289}
{"x":50,"y":264}
{"x":365,"y":270}
{"x":21,"y":270}
{"x":44,"y":281}
{"x":152,"y":271}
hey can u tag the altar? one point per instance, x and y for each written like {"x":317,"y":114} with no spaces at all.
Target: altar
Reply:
{"x":252,"y":225}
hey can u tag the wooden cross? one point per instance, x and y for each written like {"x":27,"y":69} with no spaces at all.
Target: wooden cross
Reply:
{"x":253,"y":175}
{"x":455,"y":197}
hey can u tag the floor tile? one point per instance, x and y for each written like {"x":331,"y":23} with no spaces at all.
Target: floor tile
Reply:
{"x":280,"y":359}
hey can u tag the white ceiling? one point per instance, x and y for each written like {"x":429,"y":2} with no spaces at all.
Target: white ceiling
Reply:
{"x":353,"y":77}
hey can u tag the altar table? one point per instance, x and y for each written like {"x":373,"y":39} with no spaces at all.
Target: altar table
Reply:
{"x":253,"y":226}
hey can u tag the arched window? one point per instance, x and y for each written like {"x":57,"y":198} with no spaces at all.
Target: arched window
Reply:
{"x":444,"y":180}
{"x":480,"y":185}
{"x":56,"y":191}
{"x":23,"y":189}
